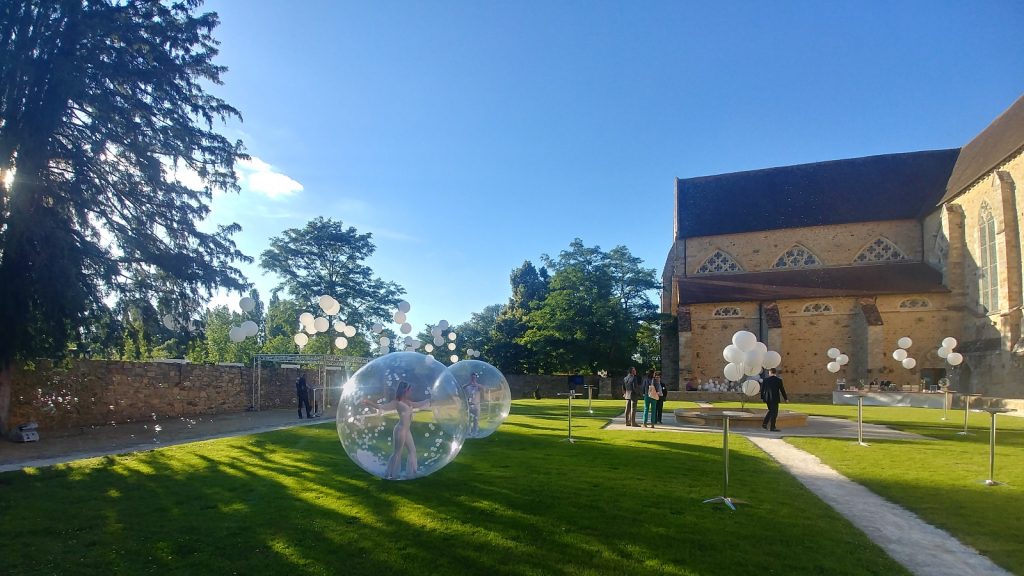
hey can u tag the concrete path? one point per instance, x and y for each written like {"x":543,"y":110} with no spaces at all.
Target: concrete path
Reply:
{"x":920,"y":547}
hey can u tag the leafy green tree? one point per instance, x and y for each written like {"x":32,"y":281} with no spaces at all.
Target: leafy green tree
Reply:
{"x":506,"y":350}
{"x":590,"y":317}
{"x":324,"y":257}
{"x":100,"y":100}
{"x":478,"y":332}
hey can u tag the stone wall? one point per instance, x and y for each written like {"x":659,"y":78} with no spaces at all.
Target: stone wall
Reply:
{"x":99,"y":392}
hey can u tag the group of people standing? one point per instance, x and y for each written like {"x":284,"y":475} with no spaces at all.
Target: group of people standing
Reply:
{"x":653,"y":393}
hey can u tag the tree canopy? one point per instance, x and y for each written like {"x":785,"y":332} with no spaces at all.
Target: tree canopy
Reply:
{"x":325,"y":257}
{"x":101,"y":102}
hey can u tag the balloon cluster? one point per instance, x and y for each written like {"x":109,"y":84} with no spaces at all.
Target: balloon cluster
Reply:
{"x":901,"y":355}
{"x":247,"y":328}
{"x":747,"y":357}
{"x":405,"y":415}
{"x":312,"y":325}
{"x":946,"y":351}
{"x":838,"y":360}
{"x":439,"y":338}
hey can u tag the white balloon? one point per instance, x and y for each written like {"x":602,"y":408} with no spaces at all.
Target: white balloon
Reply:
{"x":301,"y":339}
{"x":415,"y":345}
{"x":752,"y":369}
{"x":744,"y":340}
{"x":428,"y":348}
{"x":899,"y":354}
{"x":833,"y":367}
{"x":246,"y":304}
{"x":762,"y":347}
{"x":404,"y":306}
{"x":843,"y":359}
{"x":399,"y":317}
{"x":469,"y":351}
{"x":833,"y":353}
{"x":310,"y":329}
{"x":376,"y":328}
{"x":451,"y":345}
{"x":733,"y":371}
{"x":452,"y":335}
{"x":751,"y":387}
{"x":341,"y":342}
{"x":904,"y":342}
{"x":305,"y":318}
{"x":955,"y":358}
{"x":236,"y":334}
{"x":405,"y":328}
{"x":753,"y":358}
{"x":350,"y":331}
{"x":249,"y":328}
{"x":949,"y":342}
{"x":438,"y":341}
{"x":325,"y":302}
{"x":443,"y":324}
{"x":772,"y":359}
{"x":338,"y":326}
{"x":944,"y":352}
{"x":454,"y":358}
{"x":476,"y":353}
{"x":909,"y":363}
{"x":384,"y":341}
{"x":321,"y":324}
{"x":170,"y":322}
{"x":732,"y":354}
{"x":435,"y":331}
{"x":334,"y":308}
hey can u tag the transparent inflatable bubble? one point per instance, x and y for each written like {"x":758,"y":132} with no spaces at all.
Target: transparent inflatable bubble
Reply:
{"x":402,"y":416}
{"x":488,"y":397}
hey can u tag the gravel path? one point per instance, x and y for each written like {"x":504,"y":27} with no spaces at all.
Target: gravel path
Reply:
{"x":920,"y":547}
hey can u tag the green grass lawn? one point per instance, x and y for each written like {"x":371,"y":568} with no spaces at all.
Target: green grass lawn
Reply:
{"x":938,"y":479}
{"x":518,"y":502}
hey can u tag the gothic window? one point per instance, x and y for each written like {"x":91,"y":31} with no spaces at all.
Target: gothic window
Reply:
{"x":818,"y":308}
{"x":879,"y":250}
{"x":988,"y":270}
{"x":719,"y":263}
{"x":797,"y":257}
{"x":915,"y":304}
{"x":726,"y":311}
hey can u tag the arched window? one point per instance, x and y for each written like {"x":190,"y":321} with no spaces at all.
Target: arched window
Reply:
{"x":726,"y":311}
{"x":988,"y":269}
{"x":915,"y":304}
{"x":879,"y":250}
{"x":797,"y":257}
{"x":818,"y":308}
{"x":718,"y":263}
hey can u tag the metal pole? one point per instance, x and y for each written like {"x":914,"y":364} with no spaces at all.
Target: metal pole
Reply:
{"x":860,"y":419}
{"x":992,"y":452}
{"x":725,"y":455}
{"x":967,"y":409}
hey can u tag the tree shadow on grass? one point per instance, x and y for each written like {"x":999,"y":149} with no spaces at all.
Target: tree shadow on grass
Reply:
{"x":292,"y":502}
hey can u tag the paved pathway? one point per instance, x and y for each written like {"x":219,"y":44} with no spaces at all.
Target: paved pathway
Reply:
{"x":920,"y":547}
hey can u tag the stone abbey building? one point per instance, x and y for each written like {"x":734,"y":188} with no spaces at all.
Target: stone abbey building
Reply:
{"x":855,"y":254}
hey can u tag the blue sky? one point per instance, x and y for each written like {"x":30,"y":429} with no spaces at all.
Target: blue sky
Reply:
{"x":469,"y":136}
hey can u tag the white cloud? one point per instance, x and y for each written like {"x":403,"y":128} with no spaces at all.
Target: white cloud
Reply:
{"x":260,"y":177}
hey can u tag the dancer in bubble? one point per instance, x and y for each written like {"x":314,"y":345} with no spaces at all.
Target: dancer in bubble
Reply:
{"x":474,"y":392}
{"x":402,"y":436}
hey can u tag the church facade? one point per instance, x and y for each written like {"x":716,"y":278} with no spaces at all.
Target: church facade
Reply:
{"x":855,"y":254}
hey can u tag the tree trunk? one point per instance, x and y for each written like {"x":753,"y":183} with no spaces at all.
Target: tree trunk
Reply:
{"x":6,"y":378}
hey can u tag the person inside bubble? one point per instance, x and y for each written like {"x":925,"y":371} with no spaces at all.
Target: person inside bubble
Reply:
{"x":402,"y":435}
{"x":474,"y":391}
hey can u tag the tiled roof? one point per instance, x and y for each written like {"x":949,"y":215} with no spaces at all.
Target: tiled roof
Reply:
{"x":1003,"y":137}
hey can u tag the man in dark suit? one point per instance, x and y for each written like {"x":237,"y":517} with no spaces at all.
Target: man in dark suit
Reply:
{"x":772,"y":392}
{"x":302,"y":392}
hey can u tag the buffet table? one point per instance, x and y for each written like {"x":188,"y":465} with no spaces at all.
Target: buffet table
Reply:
{"x":912,"y":399}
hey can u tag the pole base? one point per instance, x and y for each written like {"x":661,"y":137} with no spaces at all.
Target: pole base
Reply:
{"x":569,"y":440}
{"x":991,"y":482}
{"x":862,"y":444}
{"x":730,"y":502}
{"x":965,"y":433}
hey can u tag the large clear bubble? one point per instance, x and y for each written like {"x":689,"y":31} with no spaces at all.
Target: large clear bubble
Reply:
{"x":488,"y":397}
{"x":402,"y":416}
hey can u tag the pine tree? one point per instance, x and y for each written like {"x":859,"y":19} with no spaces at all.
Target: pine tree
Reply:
{"x":101,"y":102}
